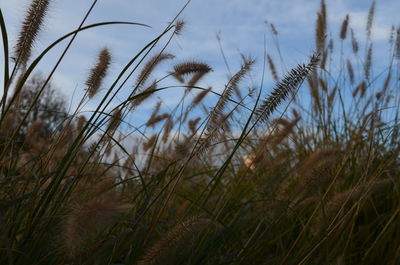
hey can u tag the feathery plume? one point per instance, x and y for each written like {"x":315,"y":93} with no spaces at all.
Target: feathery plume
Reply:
{"x":370,"y":19}
{"x":272,"y":68}
{"x":179,"y":25}
{"x":273,"y":29}
{"x":191,"y":67}
{"x":287,"y":129}
{"x":193,"y":124}
{"x":362,"y":87}
{"x":320,"y":33}
{"x":115,"y":120}
{"x":323,"y":12}
{"x":196,"y":101}
{"x":81,"y":123}
{"x":288,"y":85}
{"x":331,"y":97}
{"x":321,"y":26}
{"x":313,"y":84}
{"x":354,"y":42}
{"x":167,"y":129}
{"x":316,"y":163}
{"x":30,"y":29}
{"x":387,"y":81}
{"x":150,"y":66}
{"x":214,"y":123}
{"x":200,"y":97}
{"x":156,"y":109}
{"x":90,"y":218}
{"x":196,"y":78}
{"x":392,"y":35}
{"x":217,"y":111}
{"x":156,"y":119}
{"x":350,"y":71}
{"x":145,"y":94}
{"x":324,"y":59}
{"x":343,"y":30}
{"x":149,"y":144}
{"x":349,"y":197}
{"x":164,"y":250}
{"x":397,"y":48}
{"x":323,"y":84}
{"x":98,"y":72}
{"x":368,"y":62}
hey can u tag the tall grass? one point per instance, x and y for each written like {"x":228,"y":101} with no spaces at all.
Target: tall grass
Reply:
{"x":279,"y":180}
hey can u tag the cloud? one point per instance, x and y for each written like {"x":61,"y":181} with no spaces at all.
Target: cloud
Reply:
{"x":242,"y":26}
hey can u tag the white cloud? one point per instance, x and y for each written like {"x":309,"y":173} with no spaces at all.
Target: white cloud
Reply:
{"x":241,"y":23}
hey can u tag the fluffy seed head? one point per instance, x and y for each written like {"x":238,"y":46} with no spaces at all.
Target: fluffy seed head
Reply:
{"x":90,"y":218}
{"x":397,"y":49}
{"x":193,"y":124}
{"x":368,"y":63}
{"x":115,"y":120}
{"x":150,"y":66}
{"x":179,"y":25}
{"x":30,"y":29}
{"x":272,"y":68}
{"x":145,"y":94}
{"x":233,"y":83}
{"x":343,"y":30}
{"x":191,"y":67}
{"x":98,"y":72}
{"x":288,"y":85}
{"x":354,"y":42}
{"x":156,"y":119}
{"x":370,"y":19}
{"x":200,"y":97}
{"x":163,"y":250}
{"x":350,"y":71}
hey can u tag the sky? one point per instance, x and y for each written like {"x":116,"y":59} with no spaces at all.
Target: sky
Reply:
{"x":240,"y":24}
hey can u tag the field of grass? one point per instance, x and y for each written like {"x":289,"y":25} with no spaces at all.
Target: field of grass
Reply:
{"x":261,"y":177}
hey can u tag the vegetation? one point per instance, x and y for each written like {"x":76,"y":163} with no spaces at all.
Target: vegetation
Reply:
{"x":255,"y":180}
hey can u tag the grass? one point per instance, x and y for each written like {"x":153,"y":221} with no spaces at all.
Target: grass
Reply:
{"x":256,"y":179}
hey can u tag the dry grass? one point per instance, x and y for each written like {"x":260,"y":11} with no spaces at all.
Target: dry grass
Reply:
{"x":230,"y":177}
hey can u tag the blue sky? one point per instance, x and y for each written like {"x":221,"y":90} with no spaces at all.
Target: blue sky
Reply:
{"x":241,"y":25}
